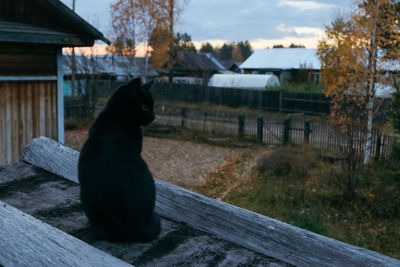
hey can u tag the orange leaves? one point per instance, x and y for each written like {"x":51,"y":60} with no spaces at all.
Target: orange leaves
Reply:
{"x":349,"y":62}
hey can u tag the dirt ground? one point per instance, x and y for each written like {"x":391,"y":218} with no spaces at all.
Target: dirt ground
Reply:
{"x":178,"y":162}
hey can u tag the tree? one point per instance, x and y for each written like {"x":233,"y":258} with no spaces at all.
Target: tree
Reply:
{"x":278,"y":46}
{"x":245,"y":49}
{"x":292,"y":45}
{"x":354,"y":56}
{"x":125,"y":21}
{"x":395,"y":105}
{"x":225,"y":52}
{"x":183,"y":42}
{"x":207,"y":48}
{"x":237,"y":54}
{"x":145,"y":21}
{"x":159,"y":42}
{"x":89,"y":68}
{"x":395,"y":116}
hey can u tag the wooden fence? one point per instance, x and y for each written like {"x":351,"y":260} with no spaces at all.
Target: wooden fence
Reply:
{"x":74,"y":107}
{"x":276,"y":130}
{"x":258,"y":99}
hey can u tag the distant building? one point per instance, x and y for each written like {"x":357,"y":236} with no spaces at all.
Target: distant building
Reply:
{"x":289,"y":64}
{"x":244,"y":81}
{"x":32,"y":34}
{"x":105,"y":67}
{"x":198,"y":66}
{"x":231,"y":65}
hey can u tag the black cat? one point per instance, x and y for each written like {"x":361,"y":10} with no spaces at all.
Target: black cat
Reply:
{"x":117,"y":188}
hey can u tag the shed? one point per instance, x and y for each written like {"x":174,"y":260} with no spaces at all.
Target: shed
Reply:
{"x":196,"y":65}
{"x":245,"y":81}
{"x":32,"y":35}
{"x":289,"y":64}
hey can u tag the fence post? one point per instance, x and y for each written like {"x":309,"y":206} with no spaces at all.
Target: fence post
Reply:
{"x":286,"y":129}
{"x":307,"y":130}
{"x":280,"y":101}
{"x":260,"y":129}
{"x":378,"y":147}
{"x":241,"y":125}
{"x":183,"y":117}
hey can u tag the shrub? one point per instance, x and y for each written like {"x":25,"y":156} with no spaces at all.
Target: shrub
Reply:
{"x":288,"y":161}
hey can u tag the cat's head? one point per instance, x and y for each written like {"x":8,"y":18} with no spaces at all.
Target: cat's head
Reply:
{"x":133,"y":102}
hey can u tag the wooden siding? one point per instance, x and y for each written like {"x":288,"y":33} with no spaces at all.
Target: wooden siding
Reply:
{"x":28,"y":60}
{"x":23,"y":11}
{"x":27,"y":110}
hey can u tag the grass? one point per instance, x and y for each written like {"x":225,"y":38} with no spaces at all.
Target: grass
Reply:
{"x":74,"y":123}
{"x":296,"y":186}
{"x":311,"y":87}
{"x":206,"y":107}
{"x":216,"y":137}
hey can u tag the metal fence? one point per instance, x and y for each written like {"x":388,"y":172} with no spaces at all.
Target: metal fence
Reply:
{"x":276,"y":130}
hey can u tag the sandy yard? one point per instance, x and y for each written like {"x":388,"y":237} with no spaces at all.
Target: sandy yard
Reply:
{"x":178,"y":162}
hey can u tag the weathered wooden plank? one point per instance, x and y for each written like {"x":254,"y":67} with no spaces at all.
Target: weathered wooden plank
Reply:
{"x":14,"y":123}
{"x":3,"y":150}
{"x":29,"y":114}
{"x":42,"y":108}
{"x":26,"y":241}
{"x":35,"y":109}
{"x":248,"y":229}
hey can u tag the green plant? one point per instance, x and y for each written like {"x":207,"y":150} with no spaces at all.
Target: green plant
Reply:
{"x":308,"y":87}
{"x":288,"y":162}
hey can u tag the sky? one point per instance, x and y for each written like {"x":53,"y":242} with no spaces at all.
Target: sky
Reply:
{"x":263,"y":23}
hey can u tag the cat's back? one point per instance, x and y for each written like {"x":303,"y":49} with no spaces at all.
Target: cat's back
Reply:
{"x":107,"y":148}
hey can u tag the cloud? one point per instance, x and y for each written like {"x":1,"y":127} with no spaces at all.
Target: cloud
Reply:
{"x":301,"y":31}
{"x":306,"y":5}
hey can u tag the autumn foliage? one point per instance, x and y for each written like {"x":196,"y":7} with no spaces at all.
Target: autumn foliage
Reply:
{"x":356,"y":56}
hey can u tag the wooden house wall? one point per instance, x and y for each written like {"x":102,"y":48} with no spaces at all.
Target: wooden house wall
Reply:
{"x":28,"y":109}
{"x":22,"y":11}
{"x":28,"y":60}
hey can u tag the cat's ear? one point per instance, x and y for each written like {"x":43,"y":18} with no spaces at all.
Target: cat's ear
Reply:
{"x":147,"y":85}
{"x":135,"y":83}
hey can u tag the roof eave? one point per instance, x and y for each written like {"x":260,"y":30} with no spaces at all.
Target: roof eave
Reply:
{"x":78,"y":21}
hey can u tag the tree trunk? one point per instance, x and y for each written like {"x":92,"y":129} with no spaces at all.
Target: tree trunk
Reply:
{"x":171,"y":44}
{"x":371,"y":88}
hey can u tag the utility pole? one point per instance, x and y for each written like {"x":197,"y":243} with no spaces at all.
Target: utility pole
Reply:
{"x":171,"y":44}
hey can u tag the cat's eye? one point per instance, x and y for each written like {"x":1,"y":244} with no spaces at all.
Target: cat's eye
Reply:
{"x":145,"y":108}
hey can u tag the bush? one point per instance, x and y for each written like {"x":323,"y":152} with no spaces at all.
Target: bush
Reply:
{"x":289,"y":162}
{"x":310,"y":87}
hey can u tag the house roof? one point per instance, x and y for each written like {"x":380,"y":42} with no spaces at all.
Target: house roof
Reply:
{"x":282,"y":59}
{"x":194,"y":61}
{"x":45,"y":21}
{"x":230,"y":63}
{"x":108,"y":64}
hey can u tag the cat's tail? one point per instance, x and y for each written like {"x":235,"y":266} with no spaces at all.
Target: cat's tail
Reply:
{"x":150,"y":231}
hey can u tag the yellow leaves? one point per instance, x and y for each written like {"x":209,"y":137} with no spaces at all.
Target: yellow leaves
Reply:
{"x":346,"y":63}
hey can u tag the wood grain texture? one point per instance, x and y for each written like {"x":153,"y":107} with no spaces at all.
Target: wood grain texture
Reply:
{"x":26,"y":241}
{"x":28,"y":109}
{"x":248,"y":229}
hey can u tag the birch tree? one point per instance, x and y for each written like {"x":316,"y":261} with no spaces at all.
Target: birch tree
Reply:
{"x":149,"y":22}
{"x":355,"y":56}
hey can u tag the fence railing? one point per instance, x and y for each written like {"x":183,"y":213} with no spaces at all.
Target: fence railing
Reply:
{"x":280,"y":130}
{"x":74,"y":107}
{"x":258,"y":99}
